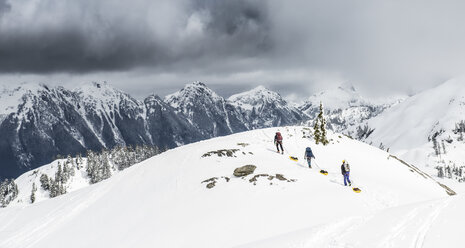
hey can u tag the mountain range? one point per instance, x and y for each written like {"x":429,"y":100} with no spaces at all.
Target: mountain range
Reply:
{"x":38,"y":122}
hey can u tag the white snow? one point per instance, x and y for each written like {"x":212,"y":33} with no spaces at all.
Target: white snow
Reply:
{"x":254,"y":98}
{"x":162,"y":201}
{"x":406,"y":127}
{"x":12,"y":97}
{"x":339,"y":98}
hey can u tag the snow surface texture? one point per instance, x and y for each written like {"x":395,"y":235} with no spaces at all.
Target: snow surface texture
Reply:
{"x":409,"y":128}
{"x":164,"y":201}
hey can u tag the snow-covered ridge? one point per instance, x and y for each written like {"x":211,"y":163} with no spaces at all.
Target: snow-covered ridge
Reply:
{"x":266,"y":108}
{"x":166,"y":196}
{"x":339,"y":98}
{"x":427,"y":128}
{"x":346,"y":109}
{"x":255,"y":98}
{"x":191,"y":92}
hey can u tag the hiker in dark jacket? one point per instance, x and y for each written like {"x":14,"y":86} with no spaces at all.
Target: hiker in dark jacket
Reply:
{"x":278,"y":140}
{"x":308,"y":156}
{"x":345,"y":170}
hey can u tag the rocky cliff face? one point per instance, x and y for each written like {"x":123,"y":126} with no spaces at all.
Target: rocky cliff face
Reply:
{"x":39,"y":122}
{"x":207,"y":111}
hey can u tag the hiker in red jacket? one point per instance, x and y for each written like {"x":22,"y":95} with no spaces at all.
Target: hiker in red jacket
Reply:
{"x":278,"y":140}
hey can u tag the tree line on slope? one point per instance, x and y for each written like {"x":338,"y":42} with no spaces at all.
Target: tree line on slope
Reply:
{"x":98,"y":166}
{"x":450,"y":170}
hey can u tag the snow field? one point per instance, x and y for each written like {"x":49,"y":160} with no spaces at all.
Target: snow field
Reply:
{"x":162,"y":201}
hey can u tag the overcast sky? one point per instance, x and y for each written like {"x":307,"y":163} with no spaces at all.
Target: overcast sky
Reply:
{"x":295,"y":46}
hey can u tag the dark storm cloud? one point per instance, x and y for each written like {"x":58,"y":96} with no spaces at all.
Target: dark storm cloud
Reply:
{"x":244,"y":21}
{"x":379,"y":46}
{"x":86,"y":36}
{"x":69,"y":50}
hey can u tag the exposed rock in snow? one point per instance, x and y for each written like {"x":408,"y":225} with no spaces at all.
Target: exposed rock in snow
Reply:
{"x":244,"y":170}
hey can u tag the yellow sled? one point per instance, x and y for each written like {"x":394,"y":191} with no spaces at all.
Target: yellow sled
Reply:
{"x":356,"y":190}
{"x":324,"y":172}
{"x":293,"y":158}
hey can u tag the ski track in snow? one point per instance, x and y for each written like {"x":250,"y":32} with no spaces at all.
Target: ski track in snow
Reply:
{"x":409,"y":230}
{"x":428,"y":222}
{"x":407,"y":227}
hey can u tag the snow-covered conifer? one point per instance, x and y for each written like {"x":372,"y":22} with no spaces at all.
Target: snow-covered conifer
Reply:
{"x":44,"y":182}
{"x":316,"y":132}
{"x":33,"y":193}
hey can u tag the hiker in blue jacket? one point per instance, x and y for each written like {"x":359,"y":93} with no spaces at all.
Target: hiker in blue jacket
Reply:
{"x":345,"y":170}
{"x":308,"y":156}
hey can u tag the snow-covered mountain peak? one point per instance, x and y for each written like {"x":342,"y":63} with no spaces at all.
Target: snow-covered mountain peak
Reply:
{"x":265,"y":108}
{"x":192,"y":92}
{"x":103,"y":92}
{"x":340,"y":97}
{"x":104,"y":97}
{"x":21,"y":98}
{"x":256,"y":98}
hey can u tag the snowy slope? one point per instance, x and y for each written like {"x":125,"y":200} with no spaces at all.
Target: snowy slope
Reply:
{"x":412,"y":128}
{"x":25,"y":182}
{"x":163,"y":201}
{"x":434,"y":223}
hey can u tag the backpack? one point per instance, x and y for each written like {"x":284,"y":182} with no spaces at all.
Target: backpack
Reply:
{"x":279,"y":137}
{"x":346,"y":167}
{"x":308,"y":152}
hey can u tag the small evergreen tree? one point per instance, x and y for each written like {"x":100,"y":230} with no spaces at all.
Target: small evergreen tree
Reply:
{"x":320,"y":128}
{"x":8,"y":192}
{"x":324,"y":138}
{"x":54,"y":188}
{"x":44,"y":182}
{"x":59,"y":174}
{"x":33,"y":193}
{"x":316,"y":132}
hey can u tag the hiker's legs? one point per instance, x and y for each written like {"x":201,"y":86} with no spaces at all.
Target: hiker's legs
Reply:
{"x":346,"y":179}
{"x":309,"y":161}
{"x":278,"y":144}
